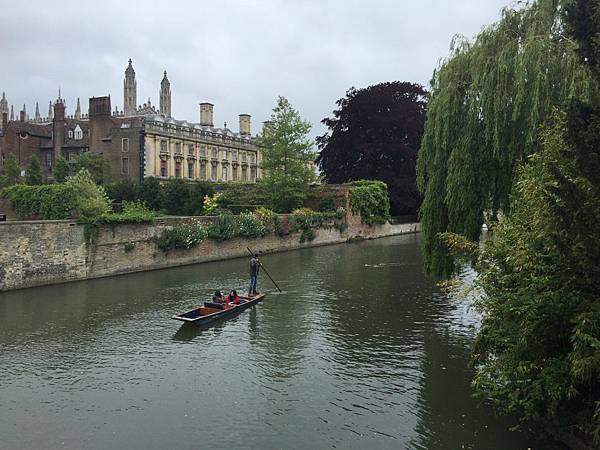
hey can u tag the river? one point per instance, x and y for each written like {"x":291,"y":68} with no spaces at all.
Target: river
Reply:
{"x":361,"y":351}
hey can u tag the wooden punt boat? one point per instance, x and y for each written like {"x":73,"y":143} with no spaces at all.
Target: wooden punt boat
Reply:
{"x":211,"y":312}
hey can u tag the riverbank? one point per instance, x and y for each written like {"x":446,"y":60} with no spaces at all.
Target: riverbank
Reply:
{"x":37,"y":253}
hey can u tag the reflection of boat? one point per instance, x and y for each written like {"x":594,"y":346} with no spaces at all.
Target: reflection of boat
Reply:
{"x":215,"y":311}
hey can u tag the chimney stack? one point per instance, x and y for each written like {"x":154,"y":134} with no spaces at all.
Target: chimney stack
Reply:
{"x":22,"y":116}
{"x":206,"y":114}
{"x":245,"y":124}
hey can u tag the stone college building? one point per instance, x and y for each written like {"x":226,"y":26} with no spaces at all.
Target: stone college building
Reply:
{"x":139,"y":141}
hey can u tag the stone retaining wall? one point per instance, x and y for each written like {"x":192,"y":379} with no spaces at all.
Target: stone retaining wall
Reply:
{"x":37,"y":253}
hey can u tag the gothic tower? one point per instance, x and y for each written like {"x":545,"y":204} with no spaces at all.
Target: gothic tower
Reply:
{"x":130,"y":91}
{"x":165,"y":96}
{"x":78,"y":110}
{"x":3,"y":105}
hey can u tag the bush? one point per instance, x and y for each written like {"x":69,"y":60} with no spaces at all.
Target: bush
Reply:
{"x":92,"y":199}
{"x":124,"y":190}
{"x":132,"y":212}
{"x":46,"y":202}
{"x":181,"y":237}
{"x":370,"y":200}
{"x":150,"y":193}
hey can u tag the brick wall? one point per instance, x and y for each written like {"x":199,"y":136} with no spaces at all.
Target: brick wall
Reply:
{"x":50,"y":252}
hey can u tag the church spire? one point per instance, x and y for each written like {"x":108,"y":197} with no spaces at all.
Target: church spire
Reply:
{"x":165,"y":96}
{"x":129,"y":91}
{"x":3,"y":105}
{"x":37,"y":111}
{"x":50,"y":110}
{"x":78,"y":110}
{"x":12,"y":112}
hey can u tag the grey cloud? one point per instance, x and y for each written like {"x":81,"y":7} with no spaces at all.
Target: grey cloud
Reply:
{"x":237,"y":54}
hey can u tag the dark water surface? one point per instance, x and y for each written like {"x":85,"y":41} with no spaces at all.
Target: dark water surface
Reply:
{"x":360,"y":352}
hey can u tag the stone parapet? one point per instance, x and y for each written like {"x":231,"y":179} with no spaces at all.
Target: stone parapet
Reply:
{"x":37,"y":253}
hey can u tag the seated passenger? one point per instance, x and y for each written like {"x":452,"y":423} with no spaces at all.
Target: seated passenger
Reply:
{"x":234,"y":298}
{"x":218,"y":297}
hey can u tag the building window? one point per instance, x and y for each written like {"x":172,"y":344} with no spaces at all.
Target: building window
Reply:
{"x":163,"y":147}
{"x":224,"y":173}
{"x":213,"y":172}
{"x":78,"y":132}
{"x":125,"y":165}
{"x":177,"y":148}
{"x":125,"y":145}
{"x":164,"y":172}
{"x":190,"y":169}
{"x":213,"y":152}
{"x":177,"y":169}
{"x":244,"y":157}
{"x":191,"y":150}
{"x":234,"y":155}
{"x":253,"y":158}
{"x":70,"y":133}
{"x":48,"y":160}
{"x":203,"y":150}
{"x":224,"y":153}
{"x":203,"y":171}
{"x":253,"y":174}
{"x":234,"y":174}
{"x":244,"y":174}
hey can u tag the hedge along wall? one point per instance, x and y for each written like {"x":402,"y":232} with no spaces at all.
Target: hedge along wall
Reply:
{"x":50,"y":252}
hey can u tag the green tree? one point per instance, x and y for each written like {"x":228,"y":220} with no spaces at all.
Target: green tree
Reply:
{"x":33,"y":175}
{"x":61,"y":170}
{"x":123,"y":190}
{"x":12,"y":171}
{"x":97,"y":165}
{"x":151,"y":194}
{"x":175,"y":195}
{"x":488,"y":100}
{"x":287,"y":157}
{"x":537,"y":354}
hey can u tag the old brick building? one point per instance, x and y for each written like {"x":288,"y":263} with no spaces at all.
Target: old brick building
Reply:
{"x":138,"y":141}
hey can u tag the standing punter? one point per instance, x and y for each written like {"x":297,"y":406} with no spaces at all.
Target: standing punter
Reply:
{"x":254,"y":268}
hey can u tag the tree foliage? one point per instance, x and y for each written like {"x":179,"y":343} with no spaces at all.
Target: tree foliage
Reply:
{"x":375,"y":134}
{"x":33,"y":175}
{"x":287,"y":157}
{"x":488,"y":100}
{"x":12,"y":171}
{"x":538,"y":351}
{"x":96,"y":165}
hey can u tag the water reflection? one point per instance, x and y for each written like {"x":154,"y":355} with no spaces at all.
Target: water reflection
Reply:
{"x":360,"y":351}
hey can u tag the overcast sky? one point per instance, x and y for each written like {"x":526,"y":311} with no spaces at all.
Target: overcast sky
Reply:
{"x":239,"y":55}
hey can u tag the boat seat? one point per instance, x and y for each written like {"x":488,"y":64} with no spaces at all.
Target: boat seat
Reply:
{"x":214,"y":305}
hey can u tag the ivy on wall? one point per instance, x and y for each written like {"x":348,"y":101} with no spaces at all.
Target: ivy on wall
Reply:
{"x":370,"y":199}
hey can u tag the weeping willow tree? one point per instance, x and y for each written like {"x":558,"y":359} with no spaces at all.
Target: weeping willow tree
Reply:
{"x":488,"y":101}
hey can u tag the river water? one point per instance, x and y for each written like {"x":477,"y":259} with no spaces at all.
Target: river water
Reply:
{"x":361,"y":351}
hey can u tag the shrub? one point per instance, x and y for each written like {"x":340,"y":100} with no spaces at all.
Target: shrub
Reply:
{"x":211,"y":204}
{"x":92,"y":199}
{"x":150,"y":193}
{"x":46,"y":202}
{"x":181,"y":237}
{"x":124,"y":190}
{"x":370,"y":199}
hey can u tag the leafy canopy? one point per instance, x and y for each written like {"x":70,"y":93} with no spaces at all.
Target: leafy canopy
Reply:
{"x":287,"y":157}
{"x":33,"y":175}
{"x":375,"y":134}
{"x":488,"y":100}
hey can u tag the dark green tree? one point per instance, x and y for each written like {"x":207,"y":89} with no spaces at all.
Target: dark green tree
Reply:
{"x":97,"y":165}
{"x":61,"y":170}
{"x":33,"y":175}
{"x":150,"y":193}
{"x":287,"y":157}
{"x":175,"y":195}
{"x":12,"y":171}
{"x":122,"y":190}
